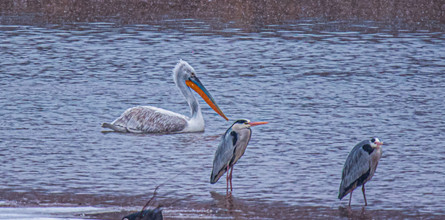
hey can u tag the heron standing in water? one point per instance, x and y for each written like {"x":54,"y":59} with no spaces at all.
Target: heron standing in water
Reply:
{"x":232,"y":146}
{"x":149,"y":119}
{"x":359,"y":167}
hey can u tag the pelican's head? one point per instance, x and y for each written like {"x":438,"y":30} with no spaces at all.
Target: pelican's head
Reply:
{"x":375,"y":142}
{"x":183,"y":72}
{"x":245,"y":124}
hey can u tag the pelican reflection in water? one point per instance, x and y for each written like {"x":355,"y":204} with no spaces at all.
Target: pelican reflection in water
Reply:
{"x":149,"y":119}
{"x":232,"y":146}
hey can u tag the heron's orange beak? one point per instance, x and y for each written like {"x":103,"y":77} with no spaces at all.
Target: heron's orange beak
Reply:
{"x":257,"y":123}
{"x":379,"y":143}
{"x":199,"y":88}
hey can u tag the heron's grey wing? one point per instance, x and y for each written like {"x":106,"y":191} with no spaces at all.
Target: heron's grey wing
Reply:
{"x":223,"y":155}
{"x":356,"y":169}
{"x":146,"y":119}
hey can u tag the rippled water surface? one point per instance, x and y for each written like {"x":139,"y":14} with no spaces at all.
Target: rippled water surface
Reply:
{"x":322,"y":86}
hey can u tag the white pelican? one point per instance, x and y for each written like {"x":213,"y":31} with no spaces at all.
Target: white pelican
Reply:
{"x":149,"y":119}
{"x":359,"y":167}
{"x":232,"y":146}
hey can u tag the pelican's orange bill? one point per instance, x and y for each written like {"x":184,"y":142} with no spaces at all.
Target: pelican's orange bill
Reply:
{"x":202,"y":91}
{"x":257,"y":123}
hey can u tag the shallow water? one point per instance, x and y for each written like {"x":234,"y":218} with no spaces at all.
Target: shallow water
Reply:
{"x":323,"y":86}
{"x":47,"y":213}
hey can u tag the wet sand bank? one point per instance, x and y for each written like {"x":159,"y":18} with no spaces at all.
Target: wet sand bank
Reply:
{"x":221,"y":207}
{"x":244,"y":13}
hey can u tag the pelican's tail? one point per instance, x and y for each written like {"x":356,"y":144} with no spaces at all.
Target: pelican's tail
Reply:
{"x":113,"y":127}
{"x":107,"y":125}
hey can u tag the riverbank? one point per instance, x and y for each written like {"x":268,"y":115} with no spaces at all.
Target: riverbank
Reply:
{"x":68,"y":206}
{"x":244,"y":13}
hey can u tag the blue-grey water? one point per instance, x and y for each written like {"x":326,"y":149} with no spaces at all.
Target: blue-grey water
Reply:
{"x":322,"y":86}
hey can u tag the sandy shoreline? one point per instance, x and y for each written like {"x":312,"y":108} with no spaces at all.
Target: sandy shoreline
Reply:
{"x":207,"y":212}
{"x":222,"y":207}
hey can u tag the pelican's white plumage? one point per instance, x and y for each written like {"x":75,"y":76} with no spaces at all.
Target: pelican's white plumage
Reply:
{"x":149,"y":119}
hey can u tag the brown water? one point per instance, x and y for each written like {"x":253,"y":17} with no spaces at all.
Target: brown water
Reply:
{"x":323,"y":86}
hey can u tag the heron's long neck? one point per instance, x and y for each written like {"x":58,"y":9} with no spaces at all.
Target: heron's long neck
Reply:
{"x":191,"y":99}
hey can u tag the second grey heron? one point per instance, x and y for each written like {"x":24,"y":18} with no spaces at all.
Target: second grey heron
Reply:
{"x":232,"y":146}
{"x":359,"y":167}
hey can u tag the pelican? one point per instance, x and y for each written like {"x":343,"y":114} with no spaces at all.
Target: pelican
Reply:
{"x":231,"y":148}
{"x":360,"y":166}
{"x":149,"y":119}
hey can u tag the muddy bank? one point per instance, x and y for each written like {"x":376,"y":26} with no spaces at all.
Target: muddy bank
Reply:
{"x":221,"y":206}
{"x":244,"y":13}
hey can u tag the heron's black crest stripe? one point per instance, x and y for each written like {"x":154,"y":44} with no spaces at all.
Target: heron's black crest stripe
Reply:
{"x":368,"y":148}
{"x":234,"y":137}
{"x":240,"y":121}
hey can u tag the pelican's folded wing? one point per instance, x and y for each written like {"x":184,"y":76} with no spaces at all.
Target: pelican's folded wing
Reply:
{"x":147,"y":119}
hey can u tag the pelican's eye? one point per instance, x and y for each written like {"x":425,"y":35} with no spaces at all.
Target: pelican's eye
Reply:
{"x":373,"y":140}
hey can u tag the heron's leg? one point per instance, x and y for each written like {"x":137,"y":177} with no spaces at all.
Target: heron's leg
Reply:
{"x":350,"y":197}
{"x":364,"y":195}
{"x":227,"y":179}
{"x":231,"y":187}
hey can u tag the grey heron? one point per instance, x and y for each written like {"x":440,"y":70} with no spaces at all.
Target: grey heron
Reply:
{"x":149,"y":119}
{"x":359,"y":167}
{"x":232,"y":146}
